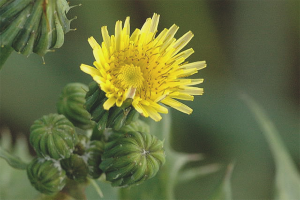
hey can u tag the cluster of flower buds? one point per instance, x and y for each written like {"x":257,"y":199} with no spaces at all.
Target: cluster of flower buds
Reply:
{"x":66,"y":152}
{"x":120,"y":145}
{"x":33,"y":26}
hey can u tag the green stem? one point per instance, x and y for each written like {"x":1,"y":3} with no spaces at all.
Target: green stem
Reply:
{"x":5,"y":52}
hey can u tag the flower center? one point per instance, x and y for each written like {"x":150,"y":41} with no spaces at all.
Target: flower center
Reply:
{"x":131,"y":76}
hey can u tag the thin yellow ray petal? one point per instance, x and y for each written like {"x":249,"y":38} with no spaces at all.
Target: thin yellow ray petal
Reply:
{"x":105,"y":36}
{"x":89,"y":70}
{"x":181,"y":96}
{"x":153,"y":113}
{"x":154,"y":24}
{"x":191,"y":81}
{"x":198,"y":65}
{"x":192,"y":90}
{"x":109,"y":103}
{"x":177,"y":105}
{"x":127,"y":26}
{"x":159,"y":108}
{"x":93,"y":43}
{"x":185,"y":54}
{"x":118,"y":35}
{"x":182,"y":42}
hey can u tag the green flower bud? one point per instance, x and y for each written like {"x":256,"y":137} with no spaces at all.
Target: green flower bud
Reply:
{"x":53,"y":136}
{"x":75,"y":167}
{"x":46,"y":175}
{"x":131,"y":158}
{"x":137,"y":125}
{"x":94,"y":153}
{"x":81,"y":145}
{"x":71,"y":104}
{"x":33,"y":25}
{"x":116,"y":117}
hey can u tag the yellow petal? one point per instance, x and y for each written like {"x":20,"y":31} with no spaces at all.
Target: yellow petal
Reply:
{"x":109,"y":103}
{"x":89,"y":70}
{"x":177,"y":105}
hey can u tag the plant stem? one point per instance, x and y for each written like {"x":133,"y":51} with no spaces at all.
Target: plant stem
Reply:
{"x":5,"y":52}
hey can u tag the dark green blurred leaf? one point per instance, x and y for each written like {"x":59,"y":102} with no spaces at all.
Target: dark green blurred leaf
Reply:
{"x":287,"y":177}
{"x":12,"y":160}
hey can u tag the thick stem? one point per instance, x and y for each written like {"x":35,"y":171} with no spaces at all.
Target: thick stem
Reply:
{"x":5,"y":52}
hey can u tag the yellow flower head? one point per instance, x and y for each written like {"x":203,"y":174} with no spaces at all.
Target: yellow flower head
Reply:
{"x":144,"y":67}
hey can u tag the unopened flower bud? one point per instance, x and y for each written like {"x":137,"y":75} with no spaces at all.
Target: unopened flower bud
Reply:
{"x":53,"y":136}
{"x":132,"y":157}
{"x":46,"y":175}
{"x":94,"y":153}
{"x":33,"y":26}
{"x":71,"y":104}
{"x":75,"y":167}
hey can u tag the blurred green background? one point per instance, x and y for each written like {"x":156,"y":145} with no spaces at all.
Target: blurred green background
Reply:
{"x":250,"y":46}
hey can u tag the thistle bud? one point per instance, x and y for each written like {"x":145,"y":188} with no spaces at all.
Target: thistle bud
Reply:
{"x":33,"y":26}
{"x":114,"y":118}
{"x":94,"y":153}
{"x":131,"y":158}
{"x":71,"y":104}
{"x":46,"y":175}
{"x":53,"y":136}
{"x":75,"y":167}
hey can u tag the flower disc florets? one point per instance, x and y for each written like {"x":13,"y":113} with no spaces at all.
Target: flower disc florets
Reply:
{"x":146,"y":68}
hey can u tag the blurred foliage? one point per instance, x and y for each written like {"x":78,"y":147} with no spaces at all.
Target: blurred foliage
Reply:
{"x":250,"y":46}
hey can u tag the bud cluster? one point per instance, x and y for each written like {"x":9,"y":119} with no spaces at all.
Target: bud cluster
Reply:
{"x":128,"y":155}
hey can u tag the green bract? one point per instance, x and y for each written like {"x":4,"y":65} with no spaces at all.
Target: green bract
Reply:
{"x":53,"y":136}
{"x":75,"y":167}
{"x":71,"y":104}
{"x":33,"y":25}
{"x":132,"y":157}
{"x":116,"y":117}
{"x":46,"y":175}
{"x":94,"y":154}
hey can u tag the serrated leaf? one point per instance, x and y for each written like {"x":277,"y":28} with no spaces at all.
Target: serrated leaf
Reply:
{"x":12,"y":160}
{"x":287,"y":180}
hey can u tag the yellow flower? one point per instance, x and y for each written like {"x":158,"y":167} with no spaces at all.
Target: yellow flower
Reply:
{"x":146,"y":68}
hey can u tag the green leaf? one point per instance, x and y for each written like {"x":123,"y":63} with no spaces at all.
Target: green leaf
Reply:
{"x":287,"y":177}
{"x":14,"y":183}
{"x":12,"y":160}
{"x":223,"y":192}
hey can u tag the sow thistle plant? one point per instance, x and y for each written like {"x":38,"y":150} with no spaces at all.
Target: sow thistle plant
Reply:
{"x":100,"y":130}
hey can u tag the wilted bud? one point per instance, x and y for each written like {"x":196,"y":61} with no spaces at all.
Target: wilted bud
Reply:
{"x":71,"y":104}
{"x":33,"y":25}
{"x":116,"y":117}
{"x":75,"y":167}
{"x":131,"y":158}
{"x":94,"y":153}
{"x":53,"y":136}
{"x":46,"y":175}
